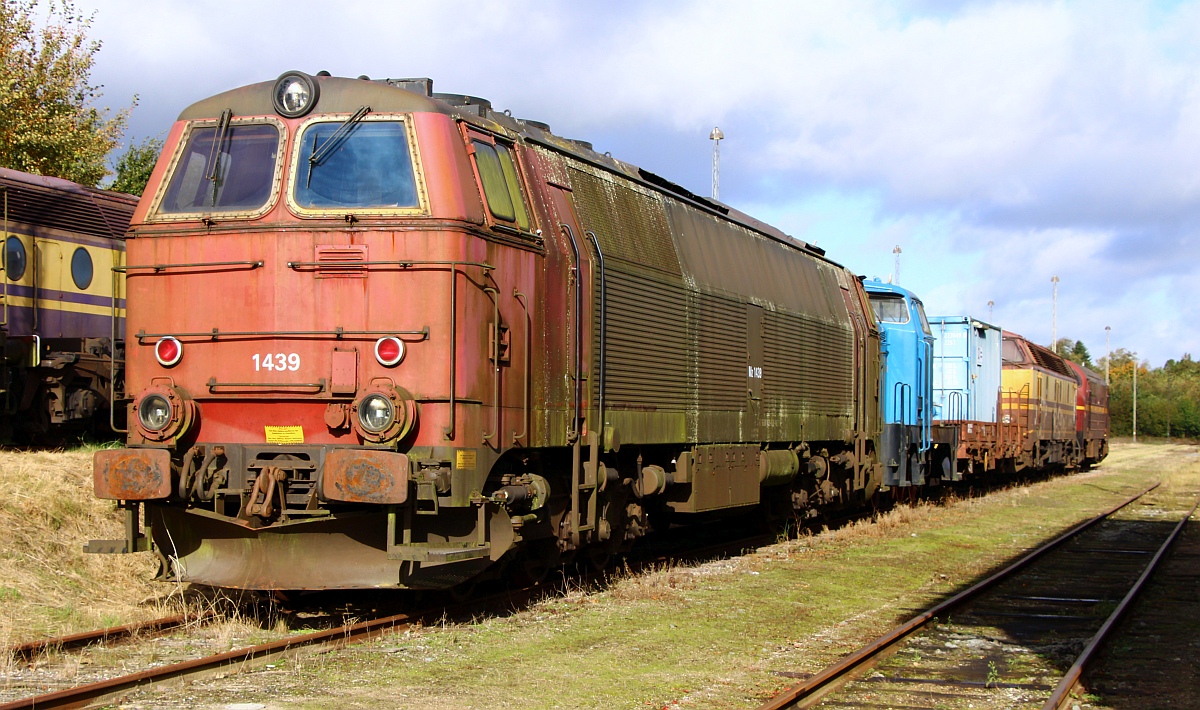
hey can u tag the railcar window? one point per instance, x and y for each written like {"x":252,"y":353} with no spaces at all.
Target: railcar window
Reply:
{"x":889,"y":309}
{"x":370,"y":166}
{"x":921,"y":316}
{"x":14,"y":258}
{"x":501,"y":184}
{"x":1012,"y":352}
{"x":230,"y":173}
{"x":81,"y":268}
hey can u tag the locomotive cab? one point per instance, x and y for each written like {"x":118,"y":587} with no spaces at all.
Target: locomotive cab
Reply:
{"x":906,"y":385}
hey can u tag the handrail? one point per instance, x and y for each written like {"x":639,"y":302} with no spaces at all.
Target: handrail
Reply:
{"x":603,"y":327}
{"x":448,"y":430}
{"x":4,"y":264}
{"x":339,"y":333}
{"x":577,"y":346}
{"x":157,"y":268}
{"x":319,"y":385}
{"x":112,"y":356}
{"x":495,"y":357}
{"x":403,"y":264}
{"x":900,"y":397}
{"x":525,"y":367}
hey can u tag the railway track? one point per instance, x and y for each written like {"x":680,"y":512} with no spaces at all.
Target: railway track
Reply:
{"x":1020,"y":638}
{"x":335,"y":636}
{"x":32,"y":649}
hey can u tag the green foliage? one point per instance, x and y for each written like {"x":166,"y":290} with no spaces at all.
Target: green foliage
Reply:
{"x":1168,"y":397}
{"x":49,"y":124}
{"x":135,"y":166}
{"x":1075,"y":351}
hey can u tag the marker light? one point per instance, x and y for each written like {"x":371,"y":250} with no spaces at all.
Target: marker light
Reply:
{"x":389,"y":351}
{"x":168,"y":351}
{"x":376,"y":413}
{"x":154,"y":412}
{"x":295,"y":94}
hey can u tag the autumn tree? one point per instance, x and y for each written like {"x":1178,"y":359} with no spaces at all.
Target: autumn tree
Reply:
{"x":49,"y":121}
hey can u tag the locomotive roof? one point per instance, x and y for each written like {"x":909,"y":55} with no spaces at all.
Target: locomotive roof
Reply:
{"x":42,"y":201}
{"x":345,"y":95}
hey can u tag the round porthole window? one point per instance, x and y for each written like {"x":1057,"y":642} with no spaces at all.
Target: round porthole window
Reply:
{"x":14,"y":258}
{"x":81,"y":268}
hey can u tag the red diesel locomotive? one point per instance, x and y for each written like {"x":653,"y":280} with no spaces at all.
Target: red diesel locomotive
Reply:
{"x":380,"y":337}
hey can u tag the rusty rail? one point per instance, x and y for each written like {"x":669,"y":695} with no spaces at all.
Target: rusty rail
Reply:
{"x":88,"y":638}
{"x":1061,"y":694}
{"x":823,"y":681}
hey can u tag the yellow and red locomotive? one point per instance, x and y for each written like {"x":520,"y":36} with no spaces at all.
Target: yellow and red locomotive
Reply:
{"x":381,"y":337}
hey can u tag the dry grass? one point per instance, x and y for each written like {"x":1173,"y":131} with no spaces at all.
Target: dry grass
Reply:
{"x":48,"y":586}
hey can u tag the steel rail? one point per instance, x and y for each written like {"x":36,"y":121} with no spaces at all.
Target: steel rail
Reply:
{"x":82,"y":695}
{"x":87,"y":638}
{"x":1062,"y":693}
{"x":825,"y":678}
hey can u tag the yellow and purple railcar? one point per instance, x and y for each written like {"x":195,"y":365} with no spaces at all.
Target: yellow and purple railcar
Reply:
{"x":61,"y":304}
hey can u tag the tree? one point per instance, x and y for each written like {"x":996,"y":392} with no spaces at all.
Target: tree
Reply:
{"x":1075,"y":351}
{"x":49,"y":124}
{"x":135,"y":166}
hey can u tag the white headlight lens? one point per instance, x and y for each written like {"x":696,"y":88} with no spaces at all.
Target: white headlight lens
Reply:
{"x":154,"y":412}
{"x":376,"y":413}
{"x":294,"y":96}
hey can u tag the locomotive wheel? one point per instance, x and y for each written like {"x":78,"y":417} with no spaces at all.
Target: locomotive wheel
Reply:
{"x":598,"y":557}
{"x":463,"y":591}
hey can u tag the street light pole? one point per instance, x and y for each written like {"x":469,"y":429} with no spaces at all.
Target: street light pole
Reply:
{"x":1107,"y":347}
{"x":716,"y":137}
{"x":896,"y":270}
{"x":1135,"y":369}
{"x":990,"y":304}
{"x":1054,"y":317}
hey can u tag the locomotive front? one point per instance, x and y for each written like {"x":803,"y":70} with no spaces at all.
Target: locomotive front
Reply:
{"x":313,"y":333}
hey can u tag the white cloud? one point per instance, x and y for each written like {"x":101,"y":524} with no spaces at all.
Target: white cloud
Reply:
{"x":998,"y":142}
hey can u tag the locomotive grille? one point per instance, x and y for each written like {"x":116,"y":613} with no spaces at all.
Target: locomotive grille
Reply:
{"x":722,"y":355}
{"x":807,"y":361}
{"x":630,"y":223}
{"x":647,"y":360}
{"x":341,"y":261}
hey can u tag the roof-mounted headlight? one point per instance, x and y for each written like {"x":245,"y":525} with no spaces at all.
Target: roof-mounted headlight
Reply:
{"x":295,"y":94}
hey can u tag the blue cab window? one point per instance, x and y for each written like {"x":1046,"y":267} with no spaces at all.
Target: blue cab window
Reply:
{"x":368,"y":167}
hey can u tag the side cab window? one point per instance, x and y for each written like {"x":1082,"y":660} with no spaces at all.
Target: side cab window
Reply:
{"x":499,"y":177}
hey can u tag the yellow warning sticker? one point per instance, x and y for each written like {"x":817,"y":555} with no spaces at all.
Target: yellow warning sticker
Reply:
{"x":465,"y":458}
{"x":285,"y":434}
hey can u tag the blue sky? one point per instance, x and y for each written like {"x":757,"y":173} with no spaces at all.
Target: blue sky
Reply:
{"x":997,"y":143}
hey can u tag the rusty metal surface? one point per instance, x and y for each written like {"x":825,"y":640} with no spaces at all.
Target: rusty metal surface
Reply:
{"x":86,"y":694}
{"x":53,"y":203}
{"x":112,"y":633}
{"x":366,"y":476}
{"x":132,"y":474}
{"x":825,"y":678}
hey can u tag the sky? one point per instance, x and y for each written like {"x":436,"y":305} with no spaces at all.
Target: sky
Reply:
{"x":998,"y":144}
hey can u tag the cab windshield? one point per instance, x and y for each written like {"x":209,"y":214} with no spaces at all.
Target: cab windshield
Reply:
{"x":230,"y":170}
{"x":889,"y":309}
{"x":368,"y":165}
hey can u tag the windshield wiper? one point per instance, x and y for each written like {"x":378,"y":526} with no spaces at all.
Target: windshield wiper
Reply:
{"x":214,"y":154}
{"x":333,"y":141}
